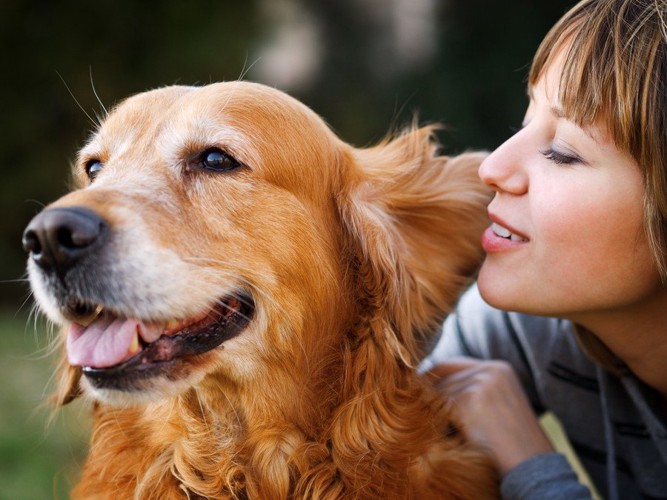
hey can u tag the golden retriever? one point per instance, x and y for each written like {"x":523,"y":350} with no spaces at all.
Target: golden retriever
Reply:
{"x":245,"y":297}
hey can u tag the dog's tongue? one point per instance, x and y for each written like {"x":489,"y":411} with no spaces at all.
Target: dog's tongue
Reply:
{"x":105,"y":342}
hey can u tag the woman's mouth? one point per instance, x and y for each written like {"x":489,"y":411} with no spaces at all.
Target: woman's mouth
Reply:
{"x":498,"y":238}
{"x":503,"y":232}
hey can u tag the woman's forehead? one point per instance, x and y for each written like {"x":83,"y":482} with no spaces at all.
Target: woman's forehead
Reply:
{"x":545,"y":92}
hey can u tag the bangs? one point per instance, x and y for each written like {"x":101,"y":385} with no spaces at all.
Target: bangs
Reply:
{"x":614,"y":69}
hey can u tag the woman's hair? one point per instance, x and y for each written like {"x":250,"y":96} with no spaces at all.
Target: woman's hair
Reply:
{"x":615,"y":69}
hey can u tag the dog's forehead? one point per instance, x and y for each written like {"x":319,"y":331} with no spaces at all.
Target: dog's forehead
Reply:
{"x":253,"y":108}
{"x":134,"y":118}
{"x":145,"y":107}
{"x":177,"y":114}
{"x":280,"y":138}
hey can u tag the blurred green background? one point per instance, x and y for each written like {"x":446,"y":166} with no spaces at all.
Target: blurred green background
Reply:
{"x":364,"y":65}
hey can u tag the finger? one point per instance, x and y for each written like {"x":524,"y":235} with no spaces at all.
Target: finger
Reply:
{"x":452,"y":366}
{"x":456,"y":388}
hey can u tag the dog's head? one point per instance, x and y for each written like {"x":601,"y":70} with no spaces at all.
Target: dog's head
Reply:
{"x":225,"y":232}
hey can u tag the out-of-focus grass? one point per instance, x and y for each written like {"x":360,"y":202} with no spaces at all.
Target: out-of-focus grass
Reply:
{"x":38,"y":460}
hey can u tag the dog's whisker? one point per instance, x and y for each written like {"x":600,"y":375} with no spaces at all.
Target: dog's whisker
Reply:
{"x":29,"y":296}
{"x":40,"y":204}
{"x":25,"y":301}
{"x":247,"y":67}
{"x":48,"y":328}
{"x":93,"y":122}
{"x":33,"y":316}
{"x":92,"y":85}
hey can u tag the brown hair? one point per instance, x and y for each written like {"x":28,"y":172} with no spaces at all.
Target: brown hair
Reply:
{"x":615,"y":69}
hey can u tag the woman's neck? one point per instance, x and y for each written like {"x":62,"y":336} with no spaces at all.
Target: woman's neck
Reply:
{"x":637,"y":335}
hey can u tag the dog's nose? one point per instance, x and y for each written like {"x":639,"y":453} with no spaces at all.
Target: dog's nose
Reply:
{"x":59,"y":237}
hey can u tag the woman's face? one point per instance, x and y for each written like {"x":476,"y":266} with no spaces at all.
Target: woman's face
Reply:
{"x":567,"y":237}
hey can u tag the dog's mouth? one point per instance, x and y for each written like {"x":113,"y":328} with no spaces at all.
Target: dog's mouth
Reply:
{"x":114,"y":351}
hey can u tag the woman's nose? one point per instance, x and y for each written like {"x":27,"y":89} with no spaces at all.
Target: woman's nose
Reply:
{"x":504,"y":169}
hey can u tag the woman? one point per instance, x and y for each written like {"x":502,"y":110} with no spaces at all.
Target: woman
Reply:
{"x":577,"y":251}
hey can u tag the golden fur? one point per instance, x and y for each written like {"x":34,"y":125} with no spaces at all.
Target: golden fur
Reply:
{"x":352,"y":257}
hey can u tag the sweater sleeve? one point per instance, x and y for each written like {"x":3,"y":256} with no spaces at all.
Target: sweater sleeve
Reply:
{"x":545,"y":476}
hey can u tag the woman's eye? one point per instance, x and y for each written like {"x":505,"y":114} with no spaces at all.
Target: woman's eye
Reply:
{"x":217,"y":160}
{"x":93,"y":167}
{"x":560,"y":158}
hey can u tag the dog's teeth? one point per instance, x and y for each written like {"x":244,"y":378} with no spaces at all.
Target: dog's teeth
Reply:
{"x":87,"y":320}
{"x":172,"y":324}
{"x":135,"y":347}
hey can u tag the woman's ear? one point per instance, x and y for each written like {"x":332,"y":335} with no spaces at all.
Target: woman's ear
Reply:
{"x":416,"y":218}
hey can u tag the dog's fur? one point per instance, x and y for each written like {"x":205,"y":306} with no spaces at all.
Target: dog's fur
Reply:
{"x":351,"y":257}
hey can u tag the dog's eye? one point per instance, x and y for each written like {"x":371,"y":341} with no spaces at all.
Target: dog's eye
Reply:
{"x":93,"y":167}
{"x":217,"y":160}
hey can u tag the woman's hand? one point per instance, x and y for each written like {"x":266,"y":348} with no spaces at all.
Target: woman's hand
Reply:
{"x":493,"y":408}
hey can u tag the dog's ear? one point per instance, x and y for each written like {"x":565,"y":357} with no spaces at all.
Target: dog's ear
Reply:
{"x":415,"y":218}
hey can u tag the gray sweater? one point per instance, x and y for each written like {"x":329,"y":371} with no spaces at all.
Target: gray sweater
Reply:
{"x":609,"y":420}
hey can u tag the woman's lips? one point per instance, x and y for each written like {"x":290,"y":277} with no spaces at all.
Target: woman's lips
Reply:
{"x":498,"y":237}
{"x":503,"y":232}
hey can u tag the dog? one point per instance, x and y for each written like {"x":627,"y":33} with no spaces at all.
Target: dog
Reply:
{"x":244,"y":298}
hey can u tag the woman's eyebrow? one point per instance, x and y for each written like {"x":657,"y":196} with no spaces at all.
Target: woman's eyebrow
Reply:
{"x":558,"y":112}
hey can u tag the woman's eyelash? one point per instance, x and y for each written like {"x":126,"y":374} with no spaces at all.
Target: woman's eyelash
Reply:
{"x":560,"y":158}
